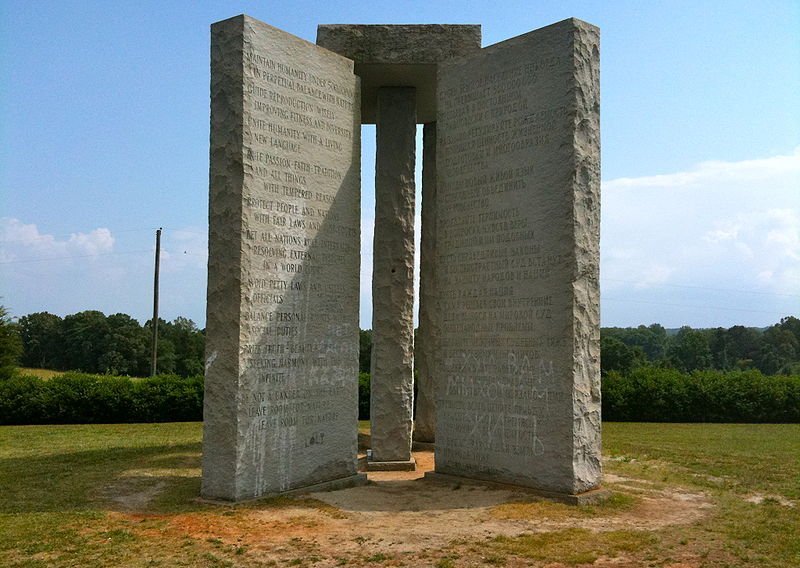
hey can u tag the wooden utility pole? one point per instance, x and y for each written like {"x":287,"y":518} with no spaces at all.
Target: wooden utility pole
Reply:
{"x":155,"y":304}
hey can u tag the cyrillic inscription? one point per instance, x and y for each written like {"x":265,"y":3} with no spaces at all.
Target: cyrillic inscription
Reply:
{"x":506,"y":262}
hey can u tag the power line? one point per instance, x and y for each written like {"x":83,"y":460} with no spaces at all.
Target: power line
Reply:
{"x":693,"y":306}
{"x":201,"y":233}
{"x":75,"y":256}
{"x":707,"y":288}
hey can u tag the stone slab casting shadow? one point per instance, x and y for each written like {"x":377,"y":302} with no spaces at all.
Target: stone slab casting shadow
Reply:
{"x":509,"y":348}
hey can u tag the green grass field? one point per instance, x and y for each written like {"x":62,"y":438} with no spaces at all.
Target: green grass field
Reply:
{"x":49,"y":373}
{"x":60,"y":503}
{"x":41,"y":373}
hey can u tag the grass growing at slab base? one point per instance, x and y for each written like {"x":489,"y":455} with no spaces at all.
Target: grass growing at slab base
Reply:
{"x":532,"y":509}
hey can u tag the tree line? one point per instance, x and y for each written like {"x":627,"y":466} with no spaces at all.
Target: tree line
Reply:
{"x":650,"y":373}
{"x":117,"y":344}
{"x":774,"y":350}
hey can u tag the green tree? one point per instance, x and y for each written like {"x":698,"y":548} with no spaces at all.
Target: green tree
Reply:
{"x":745,"y":344}
{"x":779,"y":350}
{"x":719,"y":344}
{"x":617,"y":356}
{"x":689,"y":350}
{"x":126,"y":347}
{"x":85,"y":341}
{"x":365,"y":350}
{"x":651,"y":339}
{"x":42,"y":341}
{"x":167,"y":357}
{"x":189,"y":346}
{"x":10,"y":345}
{"x":792,"y":324}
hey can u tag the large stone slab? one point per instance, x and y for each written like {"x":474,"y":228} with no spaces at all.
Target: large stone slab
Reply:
{"x":280,"y":408}
{"x":518,"y":218}
{"x":392,"y":365}
{"x":399,"y":55}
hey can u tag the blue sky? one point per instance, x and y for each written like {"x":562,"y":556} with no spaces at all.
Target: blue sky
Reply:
{"x":104,"y":137}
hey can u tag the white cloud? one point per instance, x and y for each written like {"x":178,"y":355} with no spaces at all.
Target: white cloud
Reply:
{"x":99,"y":270}
{"x":696,"y":237}
{"x":23,"y":242}
{"x":714,"y":172}
{"x":653,"y":275}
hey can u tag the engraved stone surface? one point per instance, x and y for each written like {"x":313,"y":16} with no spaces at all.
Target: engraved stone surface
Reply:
{"x":392,"y":388}
{"x":399,"y":56}
{"x":518,"y":218}
{"x":280,"y":408}
{"x":428,"y":332}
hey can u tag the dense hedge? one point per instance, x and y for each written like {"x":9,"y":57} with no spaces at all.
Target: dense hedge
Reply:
{"x":646,"y":394}
{"x":650,"y":394}
{"x":75,"y":398}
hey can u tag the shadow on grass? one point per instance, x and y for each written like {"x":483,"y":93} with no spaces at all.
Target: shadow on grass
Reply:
{"x":97,"y":480}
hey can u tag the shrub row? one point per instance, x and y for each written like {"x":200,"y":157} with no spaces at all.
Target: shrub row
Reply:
{"x":646,"y":394}
{"x":76,"y":398}
{"x":650,"y":394}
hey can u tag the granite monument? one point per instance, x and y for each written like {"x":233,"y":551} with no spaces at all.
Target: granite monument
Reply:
{"x":509,"y":308}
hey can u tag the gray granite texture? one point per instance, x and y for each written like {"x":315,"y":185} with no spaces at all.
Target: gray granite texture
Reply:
{"x":392,"y":382}
{"x":399,"y":56}
{"x":280,"y":408}
{"x":399,"y":43}
{"x":518,"y":218}
{"x":428,"y":332}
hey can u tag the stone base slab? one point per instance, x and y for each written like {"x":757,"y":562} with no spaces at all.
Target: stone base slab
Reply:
{"x":588,"y":498}
{"x":332,"y":485}
{"x":423,"y":446}
{"x":409,"y":465}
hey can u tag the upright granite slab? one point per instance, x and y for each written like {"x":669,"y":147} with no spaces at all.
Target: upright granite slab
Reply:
{"x":392,"y":364}
{"x":518,"y":219}
{"x":280,"y":409}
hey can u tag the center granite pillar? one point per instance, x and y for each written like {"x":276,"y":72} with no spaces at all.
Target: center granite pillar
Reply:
{"x":392,"y":389}
{"x":428,"y":333}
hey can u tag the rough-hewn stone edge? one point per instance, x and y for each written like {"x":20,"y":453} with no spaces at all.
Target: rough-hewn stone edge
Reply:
{"x":403,"y":465}
{"x":355,"y":480}
{"x":585,"y":110}
{"x":571,"y":32}
{"x":399,"y":43}
{"x":255,"y":24}
{"x":221,"y":449}
{"x":226,"y":180}
{"x":596,"y":495}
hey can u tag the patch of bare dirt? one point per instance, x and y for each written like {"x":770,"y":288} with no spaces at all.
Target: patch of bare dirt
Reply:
{"x":759,"y":498}
{"x":133,"y":494}
{"x":400,"y":514}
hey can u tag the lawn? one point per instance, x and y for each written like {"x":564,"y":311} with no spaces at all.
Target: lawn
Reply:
{"x":41,"y":373}
{"x":123,"y":495}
